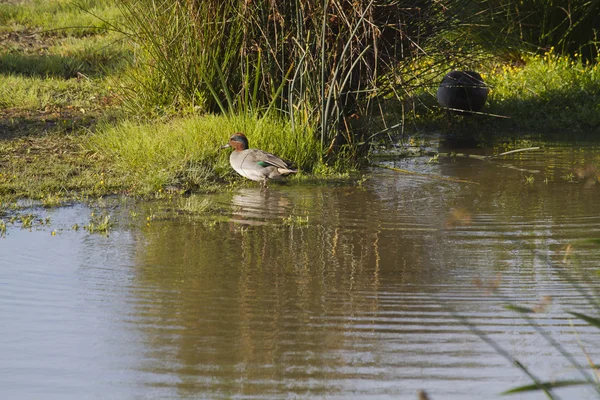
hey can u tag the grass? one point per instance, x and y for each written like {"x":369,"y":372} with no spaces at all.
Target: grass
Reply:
{"x":541,"y":93}
{"x":143,"y":158}
{"x":185,"y":153}
{"x":54,"y":79}
{"x":55,"y":84}
{"x":35,"y":94}
{"x":52,"y":165}
{"x":58,"y":17}
{"x":29,"y":53}
{"x":548,"y":92}
{"x":63,"y":135}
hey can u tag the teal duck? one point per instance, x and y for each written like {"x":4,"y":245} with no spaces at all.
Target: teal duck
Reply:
{"x":462,"y":91}
{"x":254,"y":164}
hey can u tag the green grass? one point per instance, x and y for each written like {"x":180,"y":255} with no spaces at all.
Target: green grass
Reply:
{"x":548,"y":93}
{"x":541,"y":93}
{"x":38,"y":106}
{"x":58,"y":81}
{"x":69,"y":57}
{"x":29,"y":93}
{"x":53,"y":87}
{"x":147,"y":158}
{"x":58,"y":17}
{"x":185,"y":153}
{"x":53,"y":167}
{"x":61,"y":91}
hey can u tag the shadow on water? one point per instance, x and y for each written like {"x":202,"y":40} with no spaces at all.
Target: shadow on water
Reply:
{"x":325,"y":291}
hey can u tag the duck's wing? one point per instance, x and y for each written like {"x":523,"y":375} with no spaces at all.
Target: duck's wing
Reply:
{"x":265,"y":159}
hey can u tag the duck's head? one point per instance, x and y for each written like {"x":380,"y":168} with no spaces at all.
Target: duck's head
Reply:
{"x":238,"y":141}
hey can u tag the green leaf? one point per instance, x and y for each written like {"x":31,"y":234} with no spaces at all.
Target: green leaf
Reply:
{"x":279,"y":89}
{"x":223,"y":81}
{"x":545,"y":386}
{"x":590,"y":320}
{"x":258,"y":68}
{"x":523,"y":310}
{"x":594,"y":240}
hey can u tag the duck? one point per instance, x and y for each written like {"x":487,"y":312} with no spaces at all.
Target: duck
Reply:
{"x":255,"y":164}
{"x":462,"y":92}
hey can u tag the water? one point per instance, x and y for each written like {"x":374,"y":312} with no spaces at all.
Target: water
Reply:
{"x":335,"y":291}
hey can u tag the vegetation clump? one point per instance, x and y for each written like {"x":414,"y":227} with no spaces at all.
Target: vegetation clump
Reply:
{"x":314,"y":63}
{"x":133,"y":96}
{"x":185,"y":153}
{"x":548,"y":91}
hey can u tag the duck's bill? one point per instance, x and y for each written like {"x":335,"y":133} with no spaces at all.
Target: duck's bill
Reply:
{"x":225,"y":146}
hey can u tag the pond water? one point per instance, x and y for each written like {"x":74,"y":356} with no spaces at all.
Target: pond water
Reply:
{"x":334,"y":291}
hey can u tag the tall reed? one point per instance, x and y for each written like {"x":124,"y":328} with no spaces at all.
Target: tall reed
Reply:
{"x":318,"y":63}
{"x":569,"y":26}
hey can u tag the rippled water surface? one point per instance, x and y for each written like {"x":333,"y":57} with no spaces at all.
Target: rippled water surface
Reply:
{"x":335,"y":291}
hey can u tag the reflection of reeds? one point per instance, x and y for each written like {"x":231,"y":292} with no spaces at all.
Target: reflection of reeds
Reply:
{"x":423,"y":395}
{"x":267,"y":286}
{"x":588,"y":174}
{"x":458,"y":217}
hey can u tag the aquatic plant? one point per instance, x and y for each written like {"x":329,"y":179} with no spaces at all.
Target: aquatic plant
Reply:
{"x":26,"y":220}
{"x":295,"y":220}
{"x":99,"y":224}
{"x":195,"y":205}
{"x":50,"y":201}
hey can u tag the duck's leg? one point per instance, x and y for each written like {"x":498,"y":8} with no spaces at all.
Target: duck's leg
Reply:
{"x":264,"y":183}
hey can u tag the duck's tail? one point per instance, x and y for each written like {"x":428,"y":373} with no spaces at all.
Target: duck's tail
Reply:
{"x":286,"y":171}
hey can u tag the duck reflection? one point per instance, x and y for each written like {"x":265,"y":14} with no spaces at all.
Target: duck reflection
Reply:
{"x":254,"y":206}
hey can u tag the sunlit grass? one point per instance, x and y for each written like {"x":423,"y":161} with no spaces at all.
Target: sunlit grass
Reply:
{"x":53,"y":167}
{"x":147,"y":158}
{"x":90,"y":56}
{"x":38,"y":69}
{"x":57,"y":81}
{"x":185,"y":153}
{"x":59,"y":17}
{"x":547,"y":92}
{"x":78,"y":73}
{"x":36,"y":93}
{"x":542,"y":93}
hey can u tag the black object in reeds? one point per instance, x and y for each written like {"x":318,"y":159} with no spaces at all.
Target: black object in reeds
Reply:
{"x":462,"y":91}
